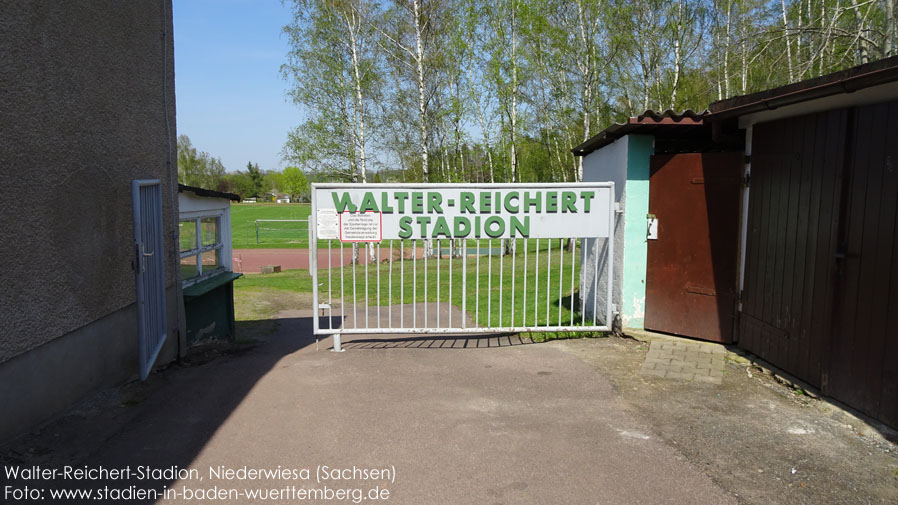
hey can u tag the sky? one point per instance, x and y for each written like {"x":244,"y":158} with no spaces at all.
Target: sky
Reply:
{"x":231,"y":99}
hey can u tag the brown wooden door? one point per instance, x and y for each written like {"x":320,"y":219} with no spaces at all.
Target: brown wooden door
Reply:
{"x":793,"y":214}
{"x":820,"y":297}
{"x":691,"y":268}
{"x":864,"y":359}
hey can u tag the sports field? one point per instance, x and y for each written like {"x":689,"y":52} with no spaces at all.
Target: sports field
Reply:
{"x":271,"y":234}
{"x":494,"y":296}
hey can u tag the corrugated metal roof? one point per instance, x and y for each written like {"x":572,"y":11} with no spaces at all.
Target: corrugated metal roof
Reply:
{"x":684,"y":123}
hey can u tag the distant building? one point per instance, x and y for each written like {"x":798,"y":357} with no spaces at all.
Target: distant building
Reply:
{"x":91,"y":292}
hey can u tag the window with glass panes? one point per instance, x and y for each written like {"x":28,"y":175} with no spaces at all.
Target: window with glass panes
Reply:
{"x":200,"y":246}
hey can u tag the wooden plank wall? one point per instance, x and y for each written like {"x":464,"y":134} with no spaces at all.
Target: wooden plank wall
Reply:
{"x":792,"y":226}
{"x":820,"y":296}
{"x":865,"y":348}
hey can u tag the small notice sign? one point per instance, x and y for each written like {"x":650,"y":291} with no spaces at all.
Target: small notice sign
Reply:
{"x":328,"y":224}
{"x":361,"y":227}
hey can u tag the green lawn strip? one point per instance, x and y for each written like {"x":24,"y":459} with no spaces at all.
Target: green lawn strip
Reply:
{"x":297,"y":281}
{"x":487,"y":312}
{"x":417,"y":282}
{"x":286,"y":235}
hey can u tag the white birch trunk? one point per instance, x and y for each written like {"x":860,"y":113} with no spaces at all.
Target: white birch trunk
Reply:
{"x":726,"y":54}
{"x":788,"y":42}
{"x":890,"y":42}
{"x":514,"y":93}
{"x":359,"y":129}
{"x":586,"y":75}
{"x":798,"y":45}
{"x":557,"y":178}
{"x":422,"y":110}
{"x":862,"y":44}
{"x":483,"y":130}
{"x":717,"y":47}
{"x":744,"y":66}
{"x":676,"y":79}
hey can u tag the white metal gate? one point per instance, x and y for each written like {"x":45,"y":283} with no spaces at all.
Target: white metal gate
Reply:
{"x":147,"y":201}
{"x":461,"y":258}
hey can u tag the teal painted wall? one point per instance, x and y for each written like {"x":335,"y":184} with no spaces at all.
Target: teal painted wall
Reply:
{"x":640,"y":149}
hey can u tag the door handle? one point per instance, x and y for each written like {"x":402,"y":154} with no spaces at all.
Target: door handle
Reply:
{"x":141,"y":254}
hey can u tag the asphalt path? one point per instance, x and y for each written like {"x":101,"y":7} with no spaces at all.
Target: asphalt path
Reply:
{"x":485,"y":420}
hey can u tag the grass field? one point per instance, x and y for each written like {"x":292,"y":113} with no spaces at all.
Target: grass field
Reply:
{"x":486,"y":312}
{"x":276,"y":235}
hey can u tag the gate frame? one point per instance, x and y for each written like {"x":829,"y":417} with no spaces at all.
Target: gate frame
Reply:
{"x":337,"y":333}
{"x":151,"y":297}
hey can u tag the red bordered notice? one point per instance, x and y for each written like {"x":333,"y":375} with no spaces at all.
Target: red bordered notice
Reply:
{"x":361,"y":226}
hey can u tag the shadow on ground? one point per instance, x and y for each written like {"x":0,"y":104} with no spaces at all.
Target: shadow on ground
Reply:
{"x":437,"y":342}
{"x":163,"y":423}
{"x":167,"y":421}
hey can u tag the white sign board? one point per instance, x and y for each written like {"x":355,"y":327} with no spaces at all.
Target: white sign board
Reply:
{"x":328,"y":224}
{"x":475,"y":211}
{"x":360,"y":227}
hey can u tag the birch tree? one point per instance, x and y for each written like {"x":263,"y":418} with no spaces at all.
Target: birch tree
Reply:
{"x":502,"y":91}
{"x":334,"y":76}
{"x":407,"y":33}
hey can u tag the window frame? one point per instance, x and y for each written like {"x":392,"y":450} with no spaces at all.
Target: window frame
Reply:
{"x":199,"y":249}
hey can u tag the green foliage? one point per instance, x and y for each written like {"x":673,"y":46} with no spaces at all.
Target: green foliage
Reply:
{"x":273,"y":181}
{"x":509,"y":87}
{"x":294,"y":183}
{"x":198,"y":169}
{"x":238,"y":183}
{"x":257,"y":180}
{"x":335,"y":76}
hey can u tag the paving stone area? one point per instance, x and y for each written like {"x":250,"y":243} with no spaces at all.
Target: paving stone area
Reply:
{"x":685,"y":360}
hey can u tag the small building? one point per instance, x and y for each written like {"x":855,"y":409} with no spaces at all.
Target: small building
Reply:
{"x":207,"y":277}
{"x":668,"y":157}
{"x":769,"y":221}
{"x":283,"y":199}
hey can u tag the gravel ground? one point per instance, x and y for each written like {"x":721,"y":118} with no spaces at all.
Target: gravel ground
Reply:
{"x":761,"y":441}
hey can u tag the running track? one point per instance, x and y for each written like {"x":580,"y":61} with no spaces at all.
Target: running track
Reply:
{"x":252,"y":260}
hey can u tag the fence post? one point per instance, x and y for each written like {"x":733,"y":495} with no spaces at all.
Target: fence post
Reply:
{"x":338,"y":343}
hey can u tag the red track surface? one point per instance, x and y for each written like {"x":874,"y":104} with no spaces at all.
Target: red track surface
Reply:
{"x":251,"y":261}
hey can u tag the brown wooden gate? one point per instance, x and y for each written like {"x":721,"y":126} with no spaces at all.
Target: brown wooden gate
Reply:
{"x":691,"y":268}
{"x":864,"y":359}
{"x":820,"y":296}
{"x":792,"y":225}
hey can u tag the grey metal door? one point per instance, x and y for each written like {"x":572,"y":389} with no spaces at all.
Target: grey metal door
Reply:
{"x":150,"y":270}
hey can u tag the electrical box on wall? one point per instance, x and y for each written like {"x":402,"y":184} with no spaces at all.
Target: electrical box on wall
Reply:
{"x":651,"y":227}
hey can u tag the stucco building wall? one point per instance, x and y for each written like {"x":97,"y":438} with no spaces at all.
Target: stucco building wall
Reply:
{"x":625,"y":162}
{"x":86,"y":106}
{"x":82,"y":112}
